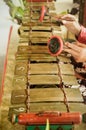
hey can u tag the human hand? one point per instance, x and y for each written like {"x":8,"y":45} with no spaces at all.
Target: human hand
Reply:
{"x":77,"y":50}
{"x":71,"y":24}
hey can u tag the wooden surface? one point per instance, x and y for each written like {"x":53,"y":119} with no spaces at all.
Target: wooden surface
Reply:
{"x":36,"y":107}
{"x":30,"y":65}
{"x":44,"y":68}
{"x":46,"y":95}
{"x":44,"y":79}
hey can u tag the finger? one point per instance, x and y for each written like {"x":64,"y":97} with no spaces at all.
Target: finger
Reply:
{"x":67,"y":22}
{"x":76,"y":59}
{"x":68,"y":17}
{"x":70,"y":42}
{"x":64,"y":22}
{"x":73,"y":47}
{"x":76,"y":43}
{"x":72,"y":52}
{"x":81,"y":45}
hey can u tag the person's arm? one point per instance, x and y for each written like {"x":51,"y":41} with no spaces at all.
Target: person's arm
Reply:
{"x":78,"y":51}
{"x":73,"y":26}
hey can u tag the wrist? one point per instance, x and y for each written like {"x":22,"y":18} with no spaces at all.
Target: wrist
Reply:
{"x":78,"y":31}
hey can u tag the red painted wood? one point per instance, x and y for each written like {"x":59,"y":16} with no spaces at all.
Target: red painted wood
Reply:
{"x":43,"y":12}
{"x":54,"y":118}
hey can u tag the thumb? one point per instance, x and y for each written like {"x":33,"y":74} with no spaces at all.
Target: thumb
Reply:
{"x":64,"y":22}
